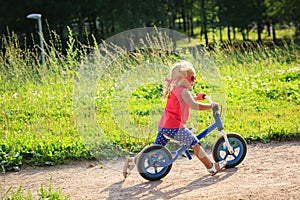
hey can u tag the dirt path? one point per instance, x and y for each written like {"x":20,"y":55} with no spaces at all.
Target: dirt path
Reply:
{"x":270,"y":171}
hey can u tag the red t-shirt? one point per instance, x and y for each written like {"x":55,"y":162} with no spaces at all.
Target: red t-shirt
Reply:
{"x":176,"y":112}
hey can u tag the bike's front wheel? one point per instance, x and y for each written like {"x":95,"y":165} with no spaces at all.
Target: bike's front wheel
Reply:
{"x":154,"y":162}
{"x":239,"y":145}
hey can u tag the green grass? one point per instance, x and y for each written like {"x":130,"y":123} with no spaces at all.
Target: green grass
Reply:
{"x":37,"y":125}
{"x":60,"y":111}
{"x":42,"y":193}
{"x":268,"y":102}
{"x":266,"y":84}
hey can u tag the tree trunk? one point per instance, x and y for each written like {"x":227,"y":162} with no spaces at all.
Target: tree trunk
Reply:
{"x":91,"y":27}
{"x":228,"y":33}
{"x":95,"y":28}
{"x":173,"y":15}
{"x":234,"y":33}
{"x":191,"y":23}
{"x":204,"y":22}
{"x":101,"y":29}
{"x":220,"y":30}
{"x":243,"y":34}
{"x":259,"y":30}
{"x":183,"y":19}
{"x":273,"y":32}
{"x":247,"y":32}
{"x":269,"y":28}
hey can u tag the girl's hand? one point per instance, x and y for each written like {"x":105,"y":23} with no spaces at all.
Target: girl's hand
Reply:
{"x":200,"y":96}
{"x":214,"y":104}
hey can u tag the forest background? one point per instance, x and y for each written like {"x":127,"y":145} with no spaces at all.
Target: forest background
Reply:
{"x":202,"y":20}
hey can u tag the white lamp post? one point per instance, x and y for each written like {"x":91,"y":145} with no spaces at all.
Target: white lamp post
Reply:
{"x":38,"y":18}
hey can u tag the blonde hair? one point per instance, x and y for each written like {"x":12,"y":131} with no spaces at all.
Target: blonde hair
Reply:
{"x":182,"y":68}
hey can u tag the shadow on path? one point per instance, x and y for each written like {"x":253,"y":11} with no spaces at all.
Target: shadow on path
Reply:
{"x":150,"y":190}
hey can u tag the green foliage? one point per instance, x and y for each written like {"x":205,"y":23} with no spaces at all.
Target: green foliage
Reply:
{"x":49,"y":193}
{"x":143,"y":100}
{"x":38,"y":125}
{"x":42,"y":193}
{"x":9,"y":158}
{"x":263,"y":93}
{"x":17,"y":194}
{"x":150,"y":91}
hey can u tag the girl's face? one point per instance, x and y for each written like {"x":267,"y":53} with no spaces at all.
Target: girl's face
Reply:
{"x":189,"y":80}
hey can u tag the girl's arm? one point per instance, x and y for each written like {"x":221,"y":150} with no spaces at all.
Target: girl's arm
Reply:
{"x":190,"y":101}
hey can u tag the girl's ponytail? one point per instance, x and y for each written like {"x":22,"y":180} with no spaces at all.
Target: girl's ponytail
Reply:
{"x":167,"y":88}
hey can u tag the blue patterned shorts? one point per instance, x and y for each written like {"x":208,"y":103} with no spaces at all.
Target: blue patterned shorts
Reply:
{"x":183,"y":135}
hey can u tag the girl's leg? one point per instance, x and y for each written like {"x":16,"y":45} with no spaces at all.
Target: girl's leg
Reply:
{"x":128,"y":166}
{"x":130,"y":162}
{"x":211,"y":167}
{"x":202,"y":156}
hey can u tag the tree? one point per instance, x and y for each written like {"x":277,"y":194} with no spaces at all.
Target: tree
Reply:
{"x":292,"y":14}
{"x":204,"y":21}
{"x":274,"y":12}
{"x":225,"y":15}
{"x":103,"y":18}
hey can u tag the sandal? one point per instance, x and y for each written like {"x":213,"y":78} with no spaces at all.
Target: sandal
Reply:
{"x":128,"y":166}
{"x":222,"y":164}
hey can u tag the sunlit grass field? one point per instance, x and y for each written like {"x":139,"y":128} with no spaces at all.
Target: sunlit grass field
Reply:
{"x":45,"y":118}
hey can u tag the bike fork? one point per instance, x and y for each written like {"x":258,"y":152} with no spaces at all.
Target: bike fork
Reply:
{"x":230,"y":149}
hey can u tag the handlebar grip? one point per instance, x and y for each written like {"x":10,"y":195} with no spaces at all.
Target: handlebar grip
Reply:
{"x":201,"y":96}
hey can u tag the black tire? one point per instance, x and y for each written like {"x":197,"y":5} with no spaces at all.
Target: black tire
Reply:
{"x":220,"y":151}
{"x":148,"y":162}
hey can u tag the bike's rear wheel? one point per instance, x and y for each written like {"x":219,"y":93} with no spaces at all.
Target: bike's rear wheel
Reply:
{"x":152,"y":161}
{"x":239,"y":145}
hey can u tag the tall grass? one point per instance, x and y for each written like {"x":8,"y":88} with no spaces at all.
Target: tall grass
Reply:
{"x":37,"y":125}
{"x":262,"y":91}
{"x":65,"y":109}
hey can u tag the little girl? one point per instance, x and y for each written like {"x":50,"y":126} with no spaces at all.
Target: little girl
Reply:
{"x":176,"y":113}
